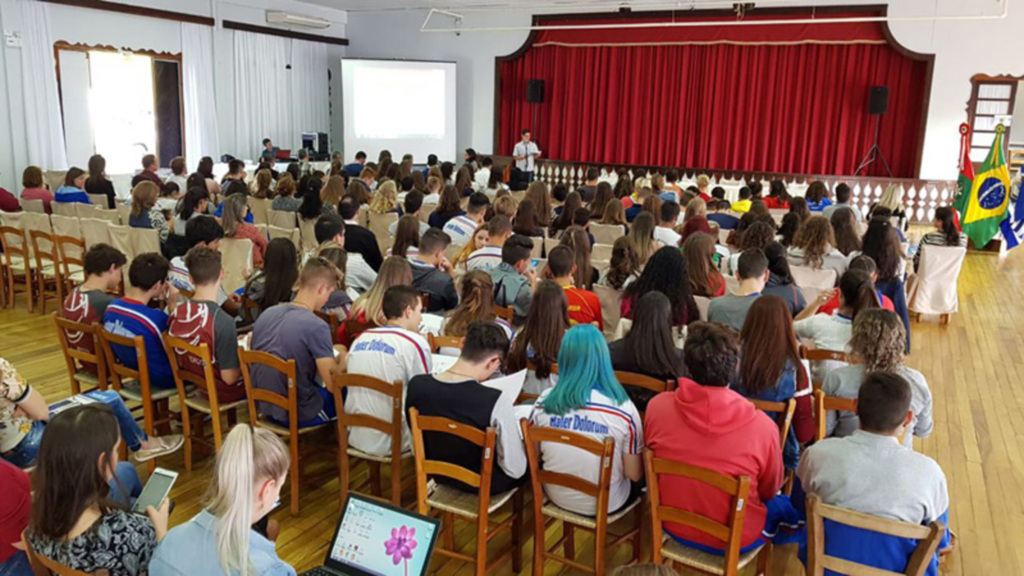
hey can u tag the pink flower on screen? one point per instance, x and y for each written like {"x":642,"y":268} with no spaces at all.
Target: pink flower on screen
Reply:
{"x":401,"y":544}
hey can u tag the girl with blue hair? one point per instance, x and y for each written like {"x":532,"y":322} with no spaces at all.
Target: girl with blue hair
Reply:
{"x":589,"y":400}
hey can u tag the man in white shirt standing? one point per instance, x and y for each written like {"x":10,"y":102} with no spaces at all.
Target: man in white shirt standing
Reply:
{"x":461,"y":228}
{"x":499,"y":228}
{"x":525,"y":154}
{"x":393,"y":352}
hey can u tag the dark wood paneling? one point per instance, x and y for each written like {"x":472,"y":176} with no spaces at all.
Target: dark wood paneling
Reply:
{"x":136,"y":10}
{"x":230,"y":25}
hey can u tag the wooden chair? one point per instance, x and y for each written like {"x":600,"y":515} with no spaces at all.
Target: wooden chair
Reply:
{"x":818,"y":560}
{"x":87,"y":369}
{"x":237,"y":257}
{"x":289,"y":403}
{"x":307,"y":235}
{"x":379,"y":224}
{"x":250,"y":310}
{"x":36,"y":206}
{"x":332,"y":321}
{"x":17,"y":266}
{"x":645,"y":382}
{"x":607,"y":233}
{"x":289,"y":233}
{"x":124,"y":212}
{"x":204,"y":405}
{"x":71,"y":252}
{"x":506,"y":313}
{"x":474,"y":506}
{"x":783,"y":414}
{"x":665,"y":547}
{"x":393,"y":428}
{"x":260,"y":208}
{"x":823,"y":403}
{"x":821,"y":355}
{"x":63,"y":209}
{"x":133,"y":383}
{"x":43,"y":566}
{"x":282,"y":219}
{"x":64,"y":226}
{"x":438,"y":342}
{"x":48,"y":277}
{"x":601,"y":252}
{"x":546,"y":513}
{"x":96,"y":232}
{"x":100,"y":200}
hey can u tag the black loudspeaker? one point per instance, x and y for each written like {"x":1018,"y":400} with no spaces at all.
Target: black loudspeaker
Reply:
{"x":535,"y":91}
{"x":879,"y":102}
{"x":322,"y":146}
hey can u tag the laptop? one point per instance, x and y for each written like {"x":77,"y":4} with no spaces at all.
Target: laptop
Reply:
{"x":378,"y":539}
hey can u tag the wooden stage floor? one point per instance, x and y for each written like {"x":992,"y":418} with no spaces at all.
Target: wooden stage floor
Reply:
{"x":975,"y":368}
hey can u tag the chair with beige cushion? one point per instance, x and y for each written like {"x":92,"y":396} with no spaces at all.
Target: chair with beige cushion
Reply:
{"x":378,"y":224}
{"x":17,"y":264}
{"x":66,"y":226}
{"x":933,"y":289}
{"x":260,"y":208}
{"x":236,"y":256}
{"x":282,"y":219}
{"x":601,"y":252}
{"x":611,"y":306}
{"x":124,"y":212}
{"x":607,"y":233}
{"x":36,"y":206}
{"x":100,"y":200}
{"x":96,"y":232}
{"x":63,"y":209}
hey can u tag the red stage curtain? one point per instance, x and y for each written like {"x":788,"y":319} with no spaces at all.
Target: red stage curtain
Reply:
{"x":790,"y":98}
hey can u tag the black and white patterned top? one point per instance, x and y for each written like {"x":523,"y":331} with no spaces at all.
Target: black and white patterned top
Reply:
{"x":118,"y":544}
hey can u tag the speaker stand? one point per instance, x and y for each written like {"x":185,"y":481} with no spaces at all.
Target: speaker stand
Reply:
{"x":874,"y":153}
{"x":533,"y":128}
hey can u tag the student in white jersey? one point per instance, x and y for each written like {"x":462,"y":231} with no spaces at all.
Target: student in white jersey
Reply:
{"x":460,"y":228}
{"x":589,"y":400}
{"x":499,"y":228}
{"x":392,"y":352}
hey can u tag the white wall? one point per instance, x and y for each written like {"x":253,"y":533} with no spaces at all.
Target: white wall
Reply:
{"x":96,"y":27}
{"x":962,"y":49}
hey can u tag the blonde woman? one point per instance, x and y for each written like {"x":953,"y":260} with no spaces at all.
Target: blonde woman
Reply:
{"x":480,"y":239}
{"x":385,"y":200}
{"x":263,"y":185}
{"x":892,"y":199}
{"x":642,"y":235}
{"x":332,"y":193}
{"x":145,"y":213}
{"x":702,"y":186}
{"x":225,"y":537}
{"x":233,"y":221}
{"x":366,"y":311}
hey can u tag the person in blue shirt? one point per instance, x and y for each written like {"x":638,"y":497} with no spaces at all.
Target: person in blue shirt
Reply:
{"x":226,"y":537}
{"x":817,"y":197}
{"x":354,"y":169}
{"x":131,"y":316}
{"x":73,"y":189}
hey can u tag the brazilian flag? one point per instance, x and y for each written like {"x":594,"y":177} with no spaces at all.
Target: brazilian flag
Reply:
{"x":990,"y":195}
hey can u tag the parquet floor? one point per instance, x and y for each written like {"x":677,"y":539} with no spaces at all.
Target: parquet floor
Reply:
{"x":974,"y":367}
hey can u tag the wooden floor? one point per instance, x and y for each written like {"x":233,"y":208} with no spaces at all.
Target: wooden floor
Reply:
{"x":974,"y":366}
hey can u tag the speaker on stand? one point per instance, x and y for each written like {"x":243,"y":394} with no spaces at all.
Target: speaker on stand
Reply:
{"x":878,"y":106}
{"x":535,"y":96}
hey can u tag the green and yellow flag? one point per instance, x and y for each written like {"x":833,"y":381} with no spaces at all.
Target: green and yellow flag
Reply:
{"x":990,"y":195}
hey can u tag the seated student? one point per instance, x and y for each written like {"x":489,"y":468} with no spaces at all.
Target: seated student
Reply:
{"x":665,"y":273}
{"x":771,"y":369}
{"x":588,"y":400}
{"x":145,"y":212}
{"x":458,"y":394}
{"x":432,"y":274}
{"x":584,"y":306}
{"x":87,"y":302}
{"x":514,"y":278}
{"x":817,"y":196}
{"x":946,"y":232}
{"x":78,"y":520}
{"x":72,"y":191}
{"x":413,"y":203}
{"x":536,"y":344}
{"x":460,"y":228}
{"x":870,"y":472}
{"x":359,"y":273}
{"x":24,"y":414}
{"x":236,"y":211}
{"x":814,"y":247}
{"x":843,"y":201}
{"x":866,"y":264}
{"x":284,"y":198}
{"x":705,"y":423}
{"x":665,"y":231}
{"x":433,"y":191}
{"x":358,"y":239}
{"x":200,"y":231}
{"x":499,"y":229}
{"x":780,"y":279}
{"x":743,"y":204}
{"x":877,"y":342}
{"x":339,"y":302}
{"x":201,"y":321}
{"x":394,"y":351}
{"x":354,"y":168}
{"x":131,"y":316}
{"x":273,"y":284}
{"x":720,"y":215}
{"x":291,"y":331}
{"x":752,"y":274}
{"x":649,"y":347}
{"x":476,"y":304}
{"x":15,"y":509}
{"x":699,"y":253}
{"x":222,"y":539}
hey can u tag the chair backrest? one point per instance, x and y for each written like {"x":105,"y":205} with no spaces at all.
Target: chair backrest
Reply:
{"x":607,"y":233}
{"x":95,"y":232}
{"x":76,"y":339}
{"x":783,"y":412}
{"x":119,"y":371}
{"x":236,"y":256}
{"x":307,"y":235}
{"x":550,"y":243}
{"x":823,"y":403}
{"x":44,"y":249}
{"x":394,"y":391}
{"x":645,"y":382}
{"x":426,"y":210}
{"x":12,"y":219}
{"x":187,"y":361}
{"x":737,"y":488}
{"x":14,"y":242}
{"x":703,"y":304}
{"x":822,"y":355}
{"x":36,"y":206}
{"x":65,"y":226}
{"x":506,"y":313}
{"x":63,"y":209}
{"x":120,"y":238}
{"x":379,"y":223}
{"x":484,"y":439}
{"x":36,"y":221}
{"x":124,"y":212}
{"x":438,"y":342}
{"x":86,"y":210}
{"x":363,"y":215}
{"x":42,"y":566}
{"x":281,"y":219}
{"x":806,"y":277}
{"x":539,"y":477}
{"x":112,"y":216}
{"x":70,"y":252}
{"x":723,"y":236}
{"x":144,"y":240}
{"x":289,"y":233}
{"x":250,"y":309}
{"x":611,"y":301}
{"x":247,"y":359}
{"x":818,"y":561}
{"x":99,"y":199}
{"x":260,"y":208}
{"x":935,"y":289}
{"x":601,"y":252}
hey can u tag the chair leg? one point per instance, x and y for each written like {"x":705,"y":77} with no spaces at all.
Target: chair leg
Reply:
{"x":638,"y":539}
{"x":569,"y":546}
{"x":396,"y":482}
{"x":186,"y":429}
{"x":449,"y":530}
{"x":28,"y":290}
{"x":944,"y":319}
{"x":481,"y":546}
{"x":517,"y":532}
{"x":375,"y":486}
{"x":539,"y":547}
{"x":343,"y":477}
{"x":294,"y":446}
{"x":764,"y":560}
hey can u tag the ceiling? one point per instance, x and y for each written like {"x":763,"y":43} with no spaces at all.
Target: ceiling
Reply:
{"x":533,"y":5}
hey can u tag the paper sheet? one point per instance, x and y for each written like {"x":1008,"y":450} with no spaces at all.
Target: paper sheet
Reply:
{"x":510,"y":386}
{"x":431,"y":323}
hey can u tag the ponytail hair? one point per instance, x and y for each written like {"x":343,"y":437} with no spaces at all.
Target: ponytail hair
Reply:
{"x":247,"y":458}
{"x":944,"y":215}
{"x":858,"y":292}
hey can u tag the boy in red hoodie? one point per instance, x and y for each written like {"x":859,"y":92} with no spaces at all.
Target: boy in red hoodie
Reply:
{"x":704,"y":423}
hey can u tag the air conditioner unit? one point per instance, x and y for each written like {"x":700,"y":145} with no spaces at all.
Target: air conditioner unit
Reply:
{"x":275,"y":17}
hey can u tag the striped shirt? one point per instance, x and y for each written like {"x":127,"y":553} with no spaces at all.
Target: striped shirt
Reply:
{"x":599,"y":418}
{"x":486,"y":259}
{"x":460,"y":229}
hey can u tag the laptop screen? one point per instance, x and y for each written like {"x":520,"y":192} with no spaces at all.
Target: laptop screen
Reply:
{"x":379,"y":539}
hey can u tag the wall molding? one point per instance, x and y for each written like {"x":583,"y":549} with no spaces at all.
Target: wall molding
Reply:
{"x":136,"y":10}
{"x":243,"y":27}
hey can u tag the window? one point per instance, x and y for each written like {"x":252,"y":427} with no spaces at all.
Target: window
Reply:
{"x":120,"y":104}
{"x":992,"y":103}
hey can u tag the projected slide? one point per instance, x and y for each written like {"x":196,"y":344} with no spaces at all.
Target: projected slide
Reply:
{"x":405,"y":107}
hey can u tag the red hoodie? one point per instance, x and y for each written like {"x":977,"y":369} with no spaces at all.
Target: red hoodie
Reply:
{"x":718,"y":429}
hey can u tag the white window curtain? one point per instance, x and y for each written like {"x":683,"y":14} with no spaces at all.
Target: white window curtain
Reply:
{"x":44,"y":127}
{"x":201,"y":138}
{"x":273,"y":101}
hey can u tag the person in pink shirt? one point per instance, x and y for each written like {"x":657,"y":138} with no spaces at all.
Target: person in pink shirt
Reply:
{"x":34,"y":188}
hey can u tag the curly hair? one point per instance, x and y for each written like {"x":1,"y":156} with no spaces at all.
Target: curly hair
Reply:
{"x":815,"y":237}
{"x":757,"y":236}
{"x":880,"y":339}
